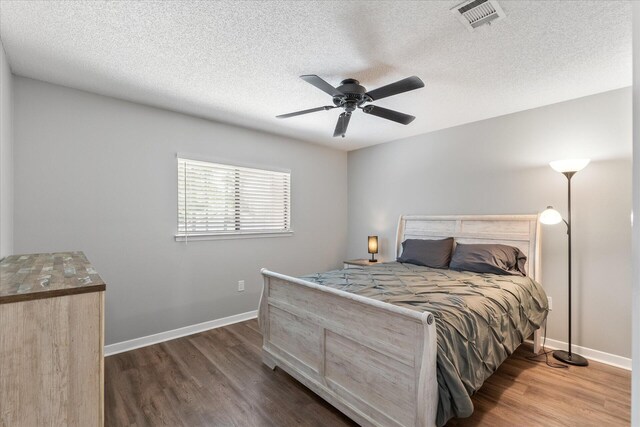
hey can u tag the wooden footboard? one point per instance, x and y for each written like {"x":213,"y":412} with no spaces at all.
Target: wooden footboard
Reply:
{"x":374,"y":361}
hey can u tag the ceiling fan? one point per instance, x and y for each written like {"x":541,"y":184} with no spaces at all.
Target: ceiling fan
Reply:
{"x":351,"y":95}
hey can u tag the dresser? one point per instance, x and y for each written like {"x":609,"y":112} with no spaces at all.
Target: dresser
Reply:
{"x":51,"y":341}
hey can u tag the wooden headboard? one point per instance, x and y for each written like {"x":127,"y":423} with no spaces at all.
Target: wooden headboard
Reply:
{"x":521,"y":231}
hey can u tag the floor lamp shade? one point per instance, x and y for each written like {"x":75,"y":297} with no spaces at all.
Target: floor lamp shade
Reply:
{"x":570,"y":165}
{"x":373,"y":247}
{"x":550,"y":216}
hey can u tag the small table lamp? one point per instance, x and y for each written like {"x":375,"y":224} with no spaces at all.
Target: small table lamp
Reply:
{"x":551,"y":216}
{"x":373,"y":248}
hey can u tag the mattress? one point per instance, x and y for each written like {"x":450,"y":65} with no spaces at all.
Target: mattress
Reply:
{"x":481,"y":318}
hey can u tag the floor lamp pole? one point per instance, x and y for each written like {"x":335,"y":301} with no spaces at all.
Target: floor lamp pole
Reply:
{"x":568,"y":356}
{"x":569,"y":175}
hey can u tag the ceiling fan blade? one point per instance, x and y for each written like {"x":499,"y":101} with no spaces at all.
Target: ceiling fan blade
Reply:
{"x":341,"y":126}
{"x":385,"y":113}
{"x":321,"y":84}
{"x":404,"y":85}
{"x":311,"y":110}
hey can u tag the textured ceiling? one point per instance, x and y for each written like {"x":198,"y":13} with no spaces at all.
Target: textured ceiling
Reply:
{"x":239,"y":62}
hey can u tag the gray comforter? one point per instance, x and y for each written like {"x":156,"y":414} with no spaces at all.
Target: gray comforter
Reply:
{"x":481,"y":318}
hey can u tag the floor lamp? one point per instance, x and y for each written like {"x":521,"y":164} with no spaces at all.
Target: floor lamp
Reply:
{"x":551,"y":216}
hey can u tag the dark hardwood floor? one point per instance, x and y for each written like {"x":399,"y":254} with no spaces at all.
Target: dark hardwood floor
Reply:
{"x":216,"y":378}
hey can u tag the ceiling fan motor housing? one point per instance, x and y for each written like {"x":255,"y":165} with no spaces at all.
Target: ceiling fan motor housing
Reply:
{"x":354,"y":95}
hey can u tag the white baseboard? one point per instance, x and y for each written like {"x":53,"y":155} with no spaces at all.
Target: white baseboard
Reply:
{"x":591,"y":354}
{"x":123,"y":346}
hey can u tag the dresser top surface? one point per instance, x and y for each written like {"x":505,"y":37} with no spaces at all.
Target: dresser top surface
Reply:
{"x":35,"y":276}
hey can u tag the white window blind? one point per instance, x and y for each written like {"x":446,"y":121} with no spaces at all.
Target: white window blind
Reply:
{"x":218,"y":199}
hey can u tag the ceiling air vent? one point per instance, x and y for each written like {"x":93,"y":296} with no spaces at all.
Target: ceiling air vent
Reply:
{"x":474,"y":13}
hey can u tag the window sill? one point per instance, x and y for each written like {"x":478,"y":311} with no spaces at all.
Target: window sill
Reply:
{"x":231,"y":236}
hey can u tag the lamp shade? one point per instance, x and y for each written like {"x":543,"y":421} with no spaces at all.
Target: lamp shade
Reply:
{"x":570,"y":165}
{"x":550,"y":216}
{"x":373,"y":244}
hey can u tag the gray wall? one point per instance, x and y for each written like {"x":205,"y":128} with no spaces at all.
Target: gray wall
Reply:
{"x":6,"y":157}
{"x":97,"y":174}
{"x":500,"y":166}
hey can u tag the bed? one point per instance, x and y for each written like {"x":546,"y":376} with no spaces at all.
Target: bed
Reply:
{"x":375,"y":361}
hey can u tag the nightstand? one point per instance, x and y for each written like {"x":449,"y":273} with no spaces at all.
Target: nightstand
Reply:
{"x":359,"y":263}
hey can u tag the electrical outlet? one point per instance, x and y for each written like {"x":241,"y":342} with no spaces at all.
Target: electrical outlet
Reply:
{"x":240,"y":285}
{"x":550,"y":303}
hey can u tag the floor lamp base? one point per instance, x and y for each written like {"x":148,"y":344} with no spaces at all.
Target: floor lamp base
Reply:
{"x":571,"y":359}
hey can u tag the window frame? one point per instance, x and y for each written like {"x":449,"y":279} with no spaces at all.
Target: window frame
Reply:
{"x":239,"y":234}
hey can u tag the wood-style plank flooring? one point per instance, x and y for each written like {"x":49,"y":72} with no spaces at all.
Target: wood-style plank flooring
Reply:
{"x":216,"y":378}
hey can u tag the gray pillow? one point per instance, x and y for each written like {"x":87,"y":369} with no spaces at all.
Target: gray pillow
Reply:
{"x":489,"y":258}
{"x":429,"y":253}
